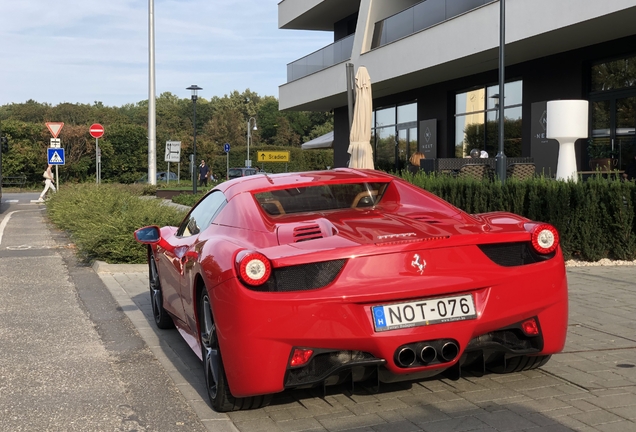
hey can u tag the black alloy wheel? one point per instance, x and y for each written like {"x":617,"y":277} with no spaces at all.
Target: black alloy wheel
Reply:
{"x":161,"y":316}
{"x":216,"y":383}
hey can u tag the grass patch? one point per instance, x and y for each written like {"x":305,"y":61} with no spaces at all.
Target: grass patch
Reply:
{"x":101,"y":219}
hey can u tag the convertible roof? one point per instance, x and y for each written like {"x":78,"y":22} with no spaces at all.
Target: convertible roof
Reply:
{"x":259,"y":182}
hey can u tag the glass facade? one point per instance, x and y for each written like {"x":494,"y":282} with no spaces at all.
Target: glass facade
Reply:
{"x":328,"y":56}
{"x":419,"y":17}
{"x":394,"y":136}
{"x":477,"y":120}
{"x":613,"y":112}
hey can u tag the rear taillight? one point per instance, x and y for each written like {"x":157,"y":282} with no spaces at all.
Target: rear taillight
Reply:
{"x":254,"y":268}
{"x":545,"y":238}
{"x":300,"y":357}
{"x":530,"y":327}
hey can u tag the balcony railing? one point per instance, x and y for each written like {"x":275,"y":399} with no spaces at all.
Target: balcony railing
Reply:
{"x":330,"y":55}
{"x":419,"y":17}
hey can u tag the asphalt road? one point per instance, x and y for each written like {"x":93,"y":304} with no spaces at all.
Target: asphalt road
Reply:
{"x":70,"y":359}
{"x":79,"y":351}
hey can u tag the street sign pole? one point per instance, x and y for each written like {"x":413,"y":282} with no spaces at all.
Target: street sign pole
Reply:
{"x":226,"y":149}
{"x":168,"y":175}
{"x":97,"y":161}
{"x":96,"y":130}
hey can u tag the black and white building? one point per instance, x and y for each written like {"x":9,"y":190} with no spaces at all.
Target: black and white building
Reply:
{"x":434,"y":73}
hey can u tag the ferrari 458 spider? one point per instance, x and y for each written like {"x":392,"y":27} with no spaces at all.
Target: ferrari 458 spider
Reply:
{"x":320,"y":278}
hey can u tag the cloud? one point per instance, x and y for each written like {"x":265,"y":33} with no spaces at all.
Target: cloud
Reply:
{"x":89,"y":50}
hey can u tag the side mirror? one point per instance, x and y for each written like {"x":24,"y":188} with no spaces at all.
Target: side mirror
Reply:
{"x":148,"y":235}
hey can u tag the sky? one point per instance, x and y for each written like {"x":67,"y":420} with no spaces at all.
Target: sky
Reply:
{"x":87,"y":51}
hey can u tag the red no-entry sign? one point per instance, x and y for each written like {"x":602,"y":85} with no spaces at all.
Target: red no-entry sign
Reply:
{"x":96,"y":130}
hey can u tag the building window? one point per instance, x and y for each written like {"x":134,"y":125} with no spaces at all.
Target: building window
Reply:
{"x":477,"y":120}
{"x":613,"y":75}
{"x":394,"y":136}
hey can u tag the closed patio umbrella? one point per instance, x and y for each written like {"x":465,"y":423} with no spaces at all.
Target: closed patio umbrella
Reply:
{"x":360,"y":137}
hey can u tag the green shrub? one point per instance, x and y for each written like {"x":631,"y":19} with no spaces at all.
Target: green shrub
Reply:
{"x":188,"y":199}
{"x":101,"y":219}
{"x":595,"y":218}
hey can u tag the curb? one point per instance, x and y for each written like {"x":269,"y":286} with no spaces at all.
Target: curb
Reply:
{"x":104,"y":267}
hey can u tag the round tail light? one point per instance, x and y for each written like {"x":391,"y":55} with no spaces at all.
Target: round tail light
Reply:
{"x":545,"y":238}
{"x":254,"y":268}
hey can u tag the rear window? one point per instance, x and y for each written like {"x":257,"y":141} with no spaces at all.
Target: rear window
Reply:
{"x":321,"y":198}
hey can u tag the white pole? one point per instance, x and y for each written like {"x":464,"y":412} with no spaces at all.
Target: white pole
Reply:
{"x":57,"y":178}
{"x":152,"y":119}
{"x":168,"y":174}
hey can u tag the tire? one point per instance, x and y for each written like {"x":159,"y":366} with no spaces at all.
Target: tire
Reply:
{"x":162,"y":319}
{"x":520,"y":363}
{"x":216,"y":384}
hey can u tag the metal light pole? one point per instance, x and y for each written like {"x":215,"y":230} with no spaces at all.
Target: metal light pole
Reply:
{"x":501,"y":156}
{"x":248,"y":162}
{"x":152,"y":121}
{"x":194,"y":88}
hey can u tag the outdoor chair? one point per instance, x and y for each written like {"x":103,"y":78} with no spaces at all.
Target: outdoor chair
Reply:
{"x":520,"y":171}
{"x":475,"y":171}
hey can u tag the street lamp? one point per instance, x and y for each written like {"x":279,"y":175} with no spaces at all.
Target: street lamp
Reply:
{"x":248,"y":162}
{"x":194,"y":88}
{"x":501,"y":156}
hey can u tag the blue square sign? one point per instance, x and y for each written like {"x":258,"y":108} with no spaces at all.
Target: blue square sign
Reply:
{"x":55,"y":156}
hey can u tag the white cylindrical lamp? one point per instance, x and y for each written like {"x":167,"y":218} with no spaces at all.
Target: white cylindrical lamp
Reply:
{"x":567,"y":121}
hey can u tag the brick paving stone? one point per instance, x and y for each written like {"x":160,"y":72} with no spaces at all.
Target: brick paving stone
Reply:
{"x":351,"y":422}
{"x":615,"y":401}
{"x":377,"y":407}
{"x":596,"y":417}
{"x":429,"y":398}
{"x":619,"y":426}
{"x":541,"y":406}
{"x":455,"y":407}
{"x":456,"y":425}
{"x":422,"y":414}
{"x":506,"y":421}
{"x":628,"y":413}
{"x":258,"y":425}
{"x":396,"y":426}
{"x":308,"y":424}
{"x":488,"y":395}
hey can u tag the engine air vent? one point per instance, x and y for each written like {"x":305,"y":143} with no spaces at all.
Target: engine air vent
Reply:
{"x":426,"y":219}
{"x":307,"y":232}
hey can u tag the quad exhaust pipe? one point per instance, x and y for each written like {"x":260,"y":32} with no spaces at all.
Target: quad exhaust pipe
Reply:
{"x":405,"y":357}
{"x":449,"y":351}
{"x":426,"y":353}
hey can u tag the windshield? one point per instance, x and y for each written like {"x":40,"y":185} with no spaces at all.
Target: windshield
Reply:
{"x":320,"y":198}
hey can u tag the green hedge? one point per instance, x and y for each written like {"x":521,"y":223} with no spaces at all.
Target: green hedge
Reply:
{"x":101,"y":219}
{"x":595,"y":218}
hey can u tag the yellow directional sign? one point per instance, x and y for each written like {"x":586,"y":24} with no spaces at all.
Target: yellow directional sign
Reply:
{"x":273,"y":156}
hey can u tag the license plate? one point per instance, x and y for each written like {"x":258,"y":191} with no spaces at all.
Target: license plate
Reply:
{"x":423,"y":312}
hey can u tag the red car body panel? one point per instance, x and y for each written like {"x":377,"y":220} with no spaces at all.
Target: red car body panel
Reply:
{"x":258,"y":330}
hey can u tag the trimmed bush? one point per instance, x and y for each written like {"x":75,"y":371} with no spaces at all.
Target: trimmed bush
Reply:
{"x":101,"y":219}
{"x":595,"y":218}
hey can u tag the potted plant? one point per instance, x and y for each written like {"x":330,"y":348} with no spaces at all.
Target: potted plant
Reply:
{"x":602,"y":156}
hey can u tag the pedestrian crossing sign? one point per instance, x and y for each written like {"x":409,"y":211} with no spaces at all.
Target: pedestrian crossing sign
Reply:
{"x":55,"y":156}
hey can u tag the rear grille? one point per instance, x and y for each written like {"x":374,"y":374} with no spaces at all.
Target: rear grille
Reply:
{"x":323,"y":364}
{"x":309,"y":232}
{"x":302,"y":277}
{"x":513,"y":254}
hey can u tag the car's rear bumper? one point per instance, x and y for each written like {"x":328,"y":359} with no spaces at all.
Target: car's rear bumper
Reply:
{"x":258,"y":330}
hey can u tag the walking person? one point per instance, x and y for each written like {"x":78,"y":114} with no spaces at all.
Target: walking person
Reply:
{"x":48,"y":182}
{"x":204,"y":173}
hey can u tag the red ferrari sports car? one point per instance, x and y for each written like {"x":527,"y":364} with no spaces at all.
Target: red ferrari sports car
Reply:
{"x":319,"y":278}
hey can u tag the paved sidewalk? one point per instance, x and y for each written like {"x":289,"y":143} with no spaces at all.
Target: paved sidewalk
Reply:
{"x":591,"y":386}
